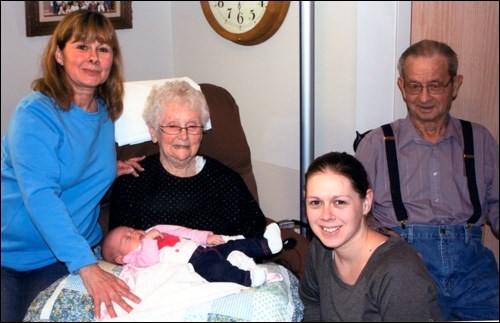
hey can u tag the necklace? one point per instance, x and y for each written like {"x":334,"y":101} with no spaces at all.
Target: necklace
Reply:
{"x":378,"y":245}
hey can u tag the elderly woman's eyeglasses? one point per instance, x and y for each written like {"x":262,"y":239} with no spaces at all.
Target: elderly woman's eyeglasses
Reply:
{"x":432,"y":88}
{"x":175,"y":130}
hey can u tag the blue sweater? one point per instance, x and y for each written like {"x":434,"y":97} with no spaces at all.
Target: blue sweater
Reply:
{"x":56,"y":167}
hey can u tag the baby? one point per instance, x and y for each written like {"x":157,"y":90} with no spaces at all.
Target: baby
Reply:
{"x":209,"y":254}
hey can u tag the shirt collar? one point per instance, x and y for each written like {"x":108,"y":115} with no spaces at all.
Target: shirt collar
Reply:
{"x":408,"y":133}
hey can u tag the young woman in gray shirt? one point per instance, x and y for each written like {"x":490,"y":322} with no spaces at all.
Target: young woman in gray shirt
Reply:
{"x":354,"y":273}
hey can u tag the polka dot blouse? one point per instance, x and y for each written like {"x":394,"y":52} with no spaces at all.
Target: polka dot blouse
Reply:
{"x":215,"y":199}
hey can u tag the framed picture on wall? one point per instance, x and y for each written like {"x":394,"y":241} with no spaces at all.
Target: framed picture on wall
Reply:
{"x":42,"y":17}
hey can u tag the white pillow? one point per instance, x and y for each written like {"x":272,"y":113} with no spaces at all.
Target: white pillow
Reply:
{"x":130,"y":128}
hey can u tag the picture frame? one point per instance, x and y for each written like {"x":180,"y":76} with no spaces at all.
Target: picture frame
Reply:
{"x":42,"y":17}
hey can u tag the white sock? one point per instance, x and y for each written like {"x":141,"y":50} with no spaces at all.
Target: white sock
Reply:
{"x":240,"y":260}
{"x":273,"y":236}
{"x":258,"y":276}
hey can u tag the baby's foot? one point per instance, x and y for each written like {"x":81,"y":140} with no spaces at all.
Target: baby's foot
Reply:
{"x":258,"y":276}
{"x":240,"y":260}
{"x":273,"y":236}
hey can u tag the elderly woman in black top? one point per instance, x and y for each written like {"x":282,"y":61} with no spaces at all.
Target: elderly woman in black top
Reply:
{"x":178,"y":186}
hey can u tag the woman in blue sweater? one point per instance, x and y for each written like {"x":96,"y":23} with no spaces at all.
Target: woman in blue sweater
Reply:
{"x":58,"y":161}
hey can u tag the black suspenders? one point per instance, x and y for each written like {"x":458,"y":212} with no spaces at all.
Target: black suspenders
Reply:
{"x":470,"y":170}
{"x":392,"y":165}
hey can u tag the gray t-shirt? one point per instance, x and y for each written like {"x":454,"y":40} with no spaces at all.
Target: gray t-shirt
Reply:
{"x":394,"y":286}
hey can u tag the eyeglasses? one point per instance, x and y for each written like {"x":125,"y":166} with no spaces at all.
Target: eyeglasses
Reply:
{"x":432,"y":88}
{"x":175,"y":130}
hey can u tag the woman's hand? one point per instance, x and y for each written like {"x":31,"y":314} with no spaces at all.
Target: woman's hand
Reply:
{"x":106,"y":288}
{"x":130,"y":166}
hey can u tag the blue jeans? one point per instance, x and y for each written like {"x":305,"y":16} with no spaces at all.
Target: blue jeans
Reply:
{"x":19,"y":288}
{"x":211,"y":262}
{"x":465,"y":272}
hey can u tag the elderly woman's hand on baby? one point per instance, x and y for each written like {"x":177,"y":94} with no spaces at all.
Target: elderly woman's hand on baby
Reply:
{"x":130,"y":166}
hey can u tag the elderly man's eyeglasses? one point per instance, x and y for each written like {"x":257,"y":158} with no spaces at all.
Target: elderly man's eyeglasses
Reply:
{"x":175,"y":130}
{"x":432,"y":88}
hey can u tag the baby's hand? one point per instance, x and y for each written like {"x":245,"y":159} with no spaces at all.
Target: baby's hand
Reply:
{"x":214,"y":240}
{"x":153,"y":234}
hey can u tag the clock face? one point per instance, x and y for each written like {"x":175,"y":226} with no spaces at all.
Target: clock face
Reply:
{"x":238,"y":16}
{"x":245,"y":22}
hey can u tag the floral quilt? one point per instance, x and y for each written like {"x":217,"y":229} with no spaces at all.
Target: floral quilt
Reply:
{"x":67,"y":300}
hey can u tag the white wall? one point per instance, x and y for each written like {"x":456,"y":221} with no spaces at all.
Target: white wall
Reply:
{"x":356,"y":48}
{"x":146,"y":49}
{"x":264,"y":80}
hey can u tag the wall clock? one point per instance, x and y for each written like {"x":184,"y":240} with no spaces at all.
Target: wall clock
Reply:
{"x":245,"y":22}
